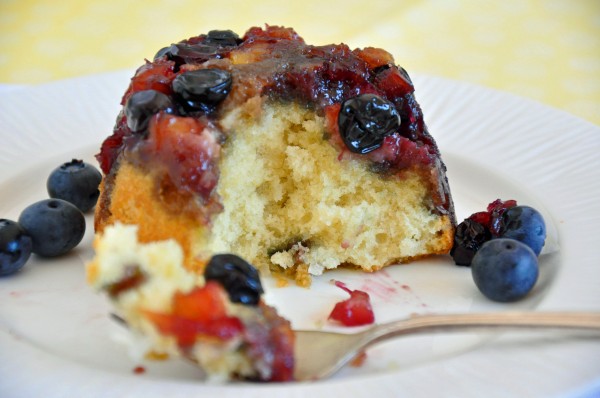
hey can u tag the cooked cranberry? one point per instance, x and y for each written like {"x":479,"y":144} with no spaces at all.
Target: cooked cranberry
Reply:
{"x":142,"y":105}
{"x":202,"y":89}
{"x":364,"y":122}
{"x":495,"y":210}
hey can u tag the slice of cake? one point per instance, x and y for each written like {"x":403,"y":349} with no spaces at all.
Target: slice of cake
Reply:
{"x":298,"y":158}
{"x":217,"y":319}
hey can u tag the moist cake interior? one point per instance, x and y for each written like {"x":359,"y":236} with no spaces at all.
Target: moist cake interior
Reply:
{"x":290,"y":200}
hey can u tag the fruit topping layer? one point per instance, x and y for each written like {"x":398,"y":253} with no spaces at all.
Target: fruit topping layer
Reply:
{"x":367,"y":100}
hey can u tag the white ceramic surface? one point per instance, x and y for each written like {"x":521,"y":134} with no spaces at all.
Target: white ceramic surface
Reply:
{"x":56,"y":338}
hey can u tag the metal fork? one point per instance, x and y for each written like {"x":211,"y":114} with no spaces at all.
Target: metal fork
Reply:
{"x":320,"y":354}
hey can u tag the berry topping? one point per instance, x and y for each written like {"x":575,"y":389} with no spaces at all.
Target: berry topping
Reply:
{"x":524,"y":224}
{"x":76,"y":182}
{"x":477,"y":229}
{"x":203,"y":89}
{"x":15,"y":247}
{"x":364,"y":122}
{"x":223,"y":38}
{"x":468,"y":238}
{"x":495,"y":210}
{"x":55,"y":226}
{"x":355,"y":311}
{"x":141,"y":105}
{"x":199,"y":312}
{"x":238,"y":277}
{"x":504,"y":269}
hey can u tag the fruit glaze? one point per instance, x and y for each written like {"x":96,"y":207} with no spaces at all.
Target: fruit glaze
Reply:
{"x":368,"y":103}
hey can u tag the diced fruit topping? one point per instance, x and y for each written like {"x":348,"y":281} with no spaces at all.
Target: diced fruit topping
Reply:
{"x":152,"y":76}
{"x":15,"y":247}
{"x":354,"y":311}
{"x":495,"y":210}
{"x":55,"y":226}
{"x":189,"y":150}
{"x":504,"y":269}
{"x":238,"y":277}
{"x":200,"y":312}
{"x":468,"y":238}
{"x":76,"y":182}
{"x":364,"y":121}
{"x":524,"y":224}
{"x":141,"y":105}
{"x":203,"y":89}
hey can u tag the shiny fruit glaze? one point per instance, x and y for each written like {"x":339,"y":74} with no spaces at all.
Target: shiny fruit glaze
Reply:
{"x":276,"y":63}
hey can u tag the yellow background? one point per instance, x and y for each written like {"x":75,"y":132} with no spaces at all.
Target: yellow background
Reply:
{"x":545,"y":50}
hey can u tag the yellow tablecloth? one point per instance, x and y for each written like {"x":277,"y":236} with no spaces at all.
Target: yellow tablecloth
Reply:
{"x":545,"y":50}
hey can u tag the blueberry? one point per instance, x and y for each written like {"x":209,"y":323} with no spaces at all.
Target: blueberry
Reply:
{"x":203,"y":89}
{"x":15,"y":247}
{"x":55,"y":226}
{"x":524,"y":224}
{"x":162,"y":52}
{"x":238,"y":277}
{"x":223,"y":38}
{"x":504,"y":269}
{"x":365,"y":120}
{"x":468,"y":238}
{"x":183,"y":53}
{"x":141,"y":105}
{"x":76,"y":182}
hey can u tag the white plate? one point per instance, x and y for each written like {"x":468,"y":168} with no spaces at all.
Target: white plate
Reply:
{"x":55,"y":337}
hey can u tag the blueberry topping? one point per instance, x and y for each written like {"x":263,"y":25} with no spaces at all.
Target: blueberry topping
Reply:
{"x":162,"y":52}
{"x":238,"y":277}
{"x":76,"y":182}
{"x":55,"y":226}
{"x":365,"y":120}
{"x":468,"y":238}
{"x":223,"y":38}
{"x":203,"y":89}
{"x":15,"y":247}
{"x":524,"y":224}
{"x":182,"y":53}
{"x":504,"y":269}
{"x":141,"y":105}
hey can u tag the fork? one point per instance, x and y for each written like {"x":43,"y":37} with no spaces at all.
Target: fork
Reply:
{"x":320,"y":354}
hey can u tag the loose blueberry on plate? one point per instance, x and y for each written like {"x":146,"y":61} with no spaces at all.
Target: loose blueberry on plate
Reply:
{"x":240,"y":279}
{"x":524,"y":224}
{"x":504,"y":269}
{"x":141,"y":105}
{"x":55,"y":226}
{"x":364,"y":121}
{"x":201,"y":90}
{"x":15,"y":247}
{"x":76,"y":182}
